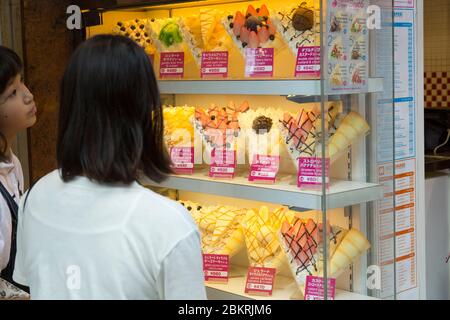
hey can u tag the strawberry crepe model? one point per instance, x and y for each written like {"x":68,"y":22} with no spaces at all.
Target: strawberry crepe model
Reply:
{"x":302,"y":131}
{"x":252,"y":29}
{"x":303,"y":244}
{"x":219,"y":126}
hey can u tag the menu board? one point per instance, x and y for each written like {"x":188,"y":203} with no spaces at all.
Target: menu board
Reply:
{"x":346,"y":58}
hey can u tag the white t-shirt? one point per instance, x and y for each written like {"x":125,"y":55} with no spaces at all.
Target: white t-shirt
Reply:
{"x":11,"y":176}
{"x":84,"y":240}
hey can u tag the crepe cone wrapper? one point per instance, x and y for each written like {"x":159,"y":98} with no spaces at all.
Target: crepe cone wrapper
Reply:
{"x":302,"y":241}
{"x":260,"y":233}
{"x":352,"y":128}
{"x":351,"y":247}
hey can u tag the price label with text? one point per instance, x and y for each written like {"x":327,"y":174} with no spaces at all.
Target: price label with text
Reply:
{"x":171,"y":65}
{"x":216,"y":267}
{"x":182,"y":159}
{"x":223,"y":163}
{"x":310,"y":172}
{"x":315,"y":288}
{"x":260,"y":281}
{"x":214,"y":64}
{"x":308,"y":62}
{"x":264,"y":168}
{"x":259,"y":62}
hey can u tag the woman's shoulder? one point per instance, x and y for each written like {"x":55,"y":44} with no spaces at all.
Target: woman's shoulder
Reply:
{"x":155,"y":206}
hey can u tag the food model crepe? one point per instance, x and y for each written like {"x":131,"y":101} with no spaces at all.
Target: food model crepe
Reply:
{"x":204,"y":32}
{"x":252,"y":28}
{"x":166,"y":34}
{"x":137,"y":30}
{"x":219,"y":226}
{"x":299,"y":25}
{"x":261,"y":131}
{"x":178,"y":126}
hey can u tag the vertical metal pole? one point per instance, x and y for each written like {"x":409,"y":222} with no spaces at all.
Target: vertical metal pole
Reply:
{"x":324,"y":185}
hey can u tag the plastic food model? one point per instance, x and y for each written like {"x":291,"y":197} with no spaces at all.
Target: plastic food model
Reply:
{"x":351,"y":128}
{"x":299,"y":25}
{"x":261,"y":131}
{"x":303,"y":243}
{"x":136,"y":30}
{"x":260,"y":232}
{"x":166,"y":34}
{"x":252,"y":29}
{"x":220,"y":228}
{"x":302,"y":132}
{"x":204,"y":32}
{"x":178,"y":126}
{"x":219,"y":126}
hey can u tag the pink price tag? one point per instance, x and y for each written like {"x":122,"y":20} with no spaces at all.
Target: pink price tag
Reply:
{"x":264,"y":168}
{"x":259,"y":62}
{"x":182,"y":159}
{"x":308,"y":62}
{"x":260,"y":281}
{"x":216,"y":267}
{"x":223,"y":163}
{"x":214,"y":64}
{"x":171,"y":65}
{"x":310,"y":172}
{"x":314,"y":289}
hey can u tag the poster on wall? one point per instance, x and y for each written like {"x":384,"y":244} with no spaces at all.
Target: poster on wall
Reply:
{"x":347,"y":39}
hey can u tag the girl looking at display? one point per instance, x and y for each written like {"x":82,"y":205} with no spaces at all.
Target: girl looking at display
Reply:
{"x":88,"y":230}
{"x":17,"y":112}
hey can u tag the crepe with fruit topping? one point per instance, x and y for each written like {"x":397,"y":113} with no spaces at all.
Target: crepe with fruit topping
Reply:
{"x":252,"y":29}
{"x":166,"y":34}
{"x":219,"y":126}
{"x":136,"y":30}
{"x":204,"y":32}
{"x":261,"y":131}
{"x":299,"y":25}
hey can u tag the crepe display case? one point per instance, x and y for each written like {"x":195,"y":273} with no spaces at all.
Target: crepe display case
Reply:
{"x":273,"y":123}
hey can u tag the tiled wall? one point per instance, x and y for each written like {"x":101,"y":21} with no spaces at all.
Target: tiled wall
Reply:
{"x":437,"y":53}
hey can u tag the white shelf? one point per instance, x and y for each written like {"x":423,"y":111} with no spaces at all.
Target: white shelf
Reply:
{"x":253,"y":87}
{"x":285,"y":289}
{"x":284,"y":192}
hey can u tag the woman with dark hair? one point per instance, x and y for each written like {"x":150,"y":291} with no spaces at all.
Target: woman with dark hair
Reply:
{"x":17,"y":113}
{"x":88,"y":230}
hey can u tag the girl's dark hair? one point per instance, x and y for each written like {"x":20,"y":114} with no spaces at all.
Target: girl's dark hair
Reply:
{"x":110,"y":118}
{"x":10,"y":67}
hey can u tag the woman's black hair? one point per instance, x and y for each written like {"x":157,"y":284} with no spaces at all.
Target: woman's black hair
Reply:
{"x":10,"y":67}
{"x":110,"y":117}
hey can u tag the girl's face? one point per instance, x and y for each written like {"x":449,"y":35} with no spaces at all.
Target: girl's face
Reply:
{"x":17,"y":108}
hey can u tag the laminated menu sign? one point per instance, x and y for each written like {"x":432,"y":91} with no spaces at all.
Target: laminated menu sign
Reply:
{"x":216,"y":267}
{"x":260,"y":281}
{"x":314,"y":289}
{"x":259,"y":62}
{"x":264,"y":168}
{"x":182,"y":159}
{"x":223,"y":163}
{"x":308,"y":62}
{"x":346,"y":59}
{"x":214,"y":64}
{"x":310,"y":172}
{"x":171,"y":65}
